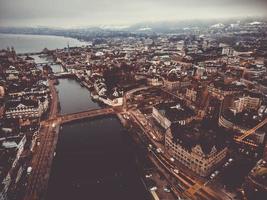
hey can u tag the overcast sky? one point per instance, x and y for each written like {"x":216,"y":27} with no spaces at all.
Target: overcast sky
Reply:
{"x":75,"y":13}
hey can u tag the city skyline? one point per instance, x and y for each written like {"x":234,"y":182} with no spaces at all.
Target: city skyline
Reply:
{"x":121,"y":13}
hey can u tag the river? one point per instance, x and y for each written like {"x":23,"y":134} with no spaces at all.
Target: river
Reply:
{"x":73,"y":97}
{"x":95,"y":158}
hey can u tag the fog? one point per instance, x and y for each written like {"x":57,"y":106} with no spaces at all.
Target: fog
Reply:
{"x":77,"y":13}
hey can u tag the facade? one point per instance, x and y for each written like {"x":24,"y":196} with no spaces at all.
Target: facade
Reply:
{"x":220,"y":90}
{"x":245,"y":102}
{"x":4,"y":186}
{"x":200,"y":162}
{"x":174,"y":85}
{"x":12,"y":149}
{"x":21,"y":110}
{"x":2,"y":91}
{"x":228,"y":51}
{"x":154,"y":81}
{"x":17,"y":143}
{"x":191,"y":94}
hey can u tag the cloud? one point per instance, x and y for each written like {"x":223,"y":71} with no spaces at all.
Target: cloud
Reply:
{"x":92,"y":12}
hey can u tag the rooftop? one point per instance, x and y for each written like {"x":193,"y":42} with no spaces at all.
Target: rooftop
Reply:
{"x":206,"y":133}
{"x":175,"y":111}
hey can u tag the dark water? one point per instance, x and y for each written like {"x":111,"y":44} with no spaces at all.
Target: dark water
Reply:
{"x":73,"y":97}
{"x":95,"y":160}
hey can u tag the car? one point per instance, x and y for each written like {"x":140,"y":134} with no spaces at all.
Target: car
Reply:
{"x":216,"y":172}
{"x":126,"y":116}
{"x":226,"y":164}
{"x":159,"y":150}
{"x":172,"y":159}
{"x":166,"y":189}
{"x":230,"y":160}
{"x":148,"y":175}
{"x":153,"y":188}
{"x":212,"y":176}
{"x":176,"y":171}
{"x":29,"y":170}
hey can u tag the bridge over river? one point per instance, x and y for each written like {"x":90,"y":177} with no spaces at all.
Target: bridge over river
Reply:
{"x":61,"y":119}
{"x":44,"y":152}
{"x":46,"y":63}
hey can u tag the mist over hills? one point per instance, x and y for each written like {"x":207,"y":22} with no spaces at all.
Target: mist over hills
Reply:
{"x":164,"y":27}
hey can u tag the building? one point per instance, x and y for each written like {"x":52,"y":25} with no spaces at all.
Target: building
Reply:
{"x":176,"y":79}
{"x":194,"y":93}
{"x":227,"y":51}
{"x":219,"y":89}
{"x":172,"y":85}
{"x":17,"y":143}
{"x":2,"y":91}
{"x":245,"y":102}
{"x":10,"y":152}
{"x":255,"y":186}
{"x":176,"y":112}
{"x":244,"y":112}
{"x":12,"y":74}
{"x":23,"y":109}
{"x":197,"y":146}
{"x":154,"y":81}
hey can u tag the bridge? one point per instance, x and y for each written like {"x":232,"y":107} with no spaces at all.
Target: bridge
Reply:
{"x":241,"y":139}
{"x":30,"y":54}
{"x":66,"y":118}
{"x":63,"y":74}
{"x":43,"y":157}
{"x":86,"y":114}
{"x":46,"y":63}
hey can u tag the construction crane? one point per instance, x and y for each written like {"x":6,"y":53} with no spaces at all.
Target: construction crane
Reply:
{"x":249,"y":132}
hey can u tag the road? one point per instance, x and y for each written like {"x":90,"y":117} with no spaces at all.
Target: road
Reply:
{"x":43,"y":155}
{"x":189,"y":186}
